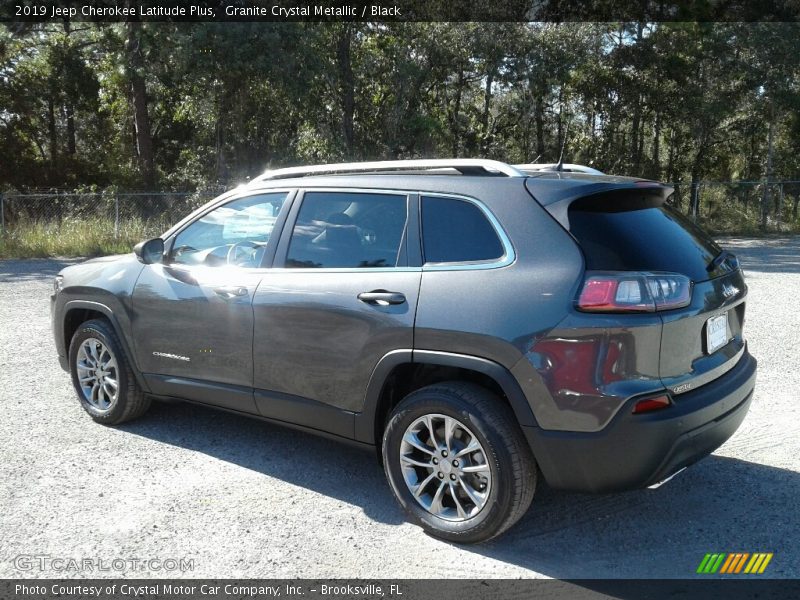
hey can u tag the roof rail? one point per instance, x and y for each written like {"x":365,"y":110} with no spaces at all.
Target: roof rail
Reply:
{"x":566,"y":167}
{"x":466,"y":166}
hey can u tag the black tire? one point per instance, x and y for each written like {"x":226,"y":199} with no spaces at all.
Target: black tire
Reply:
{"x":131,"y":402}
{"x":513,"y":468}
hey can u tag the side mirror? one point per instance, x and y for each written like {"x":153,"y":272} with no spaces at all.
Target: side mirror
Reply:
{"x":150,"y":251}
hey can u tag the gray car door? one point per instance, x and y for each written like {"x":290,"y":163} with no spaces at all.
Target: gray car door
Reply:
{"x":193,"y":315}
{"x":340,"y":298}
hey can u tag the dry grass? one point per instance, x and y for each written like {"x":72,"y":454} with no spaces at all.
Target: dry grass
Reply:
{"x":74,"y":237}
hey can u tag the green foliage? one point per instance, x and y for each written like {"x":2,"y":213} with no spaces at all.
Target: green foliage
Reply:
{"x":671,"y":101}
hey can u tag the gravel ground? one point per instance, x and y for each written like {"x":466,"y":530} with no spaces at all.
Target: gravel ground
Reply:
{"x":241,"y":498}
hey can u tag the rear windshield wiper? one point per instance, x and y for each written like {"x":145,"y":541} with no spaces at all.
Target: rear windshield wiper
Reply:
{"x":721,"y":258}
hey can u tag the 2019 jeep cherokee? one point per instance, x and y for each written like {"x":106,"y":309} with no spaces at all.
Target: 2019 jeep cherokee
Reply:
{"x":478,"y":323}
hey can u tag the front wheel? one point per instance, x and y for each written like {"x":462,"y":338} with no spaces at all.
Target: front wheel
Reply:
{"x":458,"y":463}
{"x":102,"y":377}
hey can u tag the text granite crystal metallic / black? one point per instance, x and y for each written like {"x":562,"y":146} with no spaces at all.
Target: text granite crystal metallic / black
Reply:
{"x":481,"y":325}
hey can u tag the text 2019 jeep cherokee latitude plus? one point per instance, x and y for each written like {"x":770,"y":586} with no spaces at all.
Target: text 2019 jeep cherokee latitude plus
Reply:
{"x":477,"y":323}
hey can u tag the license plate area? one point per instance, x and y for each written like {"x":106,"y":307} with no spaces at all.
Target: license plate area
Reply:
{"x":716,"y":333}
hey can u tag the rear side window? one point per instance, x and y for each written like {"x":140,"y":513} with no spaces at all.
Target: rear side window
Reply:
{"x":456,"y":231}
{"x":653,"y":238}
{"x":348,"y":230}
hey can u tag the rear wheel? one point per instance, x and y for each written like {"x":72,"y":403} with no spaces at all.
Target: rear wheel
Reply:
{"x":102,"y":376}
{"x":458,"y":463}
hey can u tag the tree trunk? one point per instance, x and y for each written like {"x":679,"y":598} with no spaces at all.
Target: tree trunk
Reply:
{"x":640,"y":148}
{"x":53,"y":136}
{"x":634,"y":152}
{"x":346,"y":86}
{"x":560,"y":121}
{"x":70,"y":113}
{"x":138,"y":95}
{"x":671,"y":175}
{"x":694,"y":199}
{"x":69,"y":110}
{"x":656,"y":160}
{"x":670,"y":172}
{"x":219,"y":139}
{"x":637,"y":127}
{"x":539,"y":117}
{"x":455,"y":120}
{"x":487,"y":107}
{"x":765,"y":198}
{"x":701,"y":141}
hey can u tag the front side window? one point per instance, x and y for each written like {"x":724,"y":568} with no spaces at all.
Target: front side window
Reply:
{"x":457,"y":231}
{"x":236,"y":233}
{"x":348,"y":230}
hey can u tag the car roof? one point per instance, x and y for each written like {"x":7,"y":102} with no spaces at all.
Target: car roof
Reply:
{"x":546,"y":186}
{"x":472,"y":176}
{"x":469,"y":185}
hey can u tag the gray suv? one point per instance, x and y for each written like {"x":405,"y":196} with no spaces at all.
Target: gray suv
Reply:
{"x":481,"y":325}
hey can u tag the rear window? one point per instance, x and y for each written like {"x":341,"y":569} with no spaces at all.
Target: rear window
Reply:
{"x":653,"y":238}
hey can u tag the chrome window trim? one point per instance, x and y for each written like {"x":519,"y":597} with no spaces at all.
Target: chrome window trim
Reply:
{"x":508,"y":257}
{"x":283,"y":270}
{"x":509,"y":254}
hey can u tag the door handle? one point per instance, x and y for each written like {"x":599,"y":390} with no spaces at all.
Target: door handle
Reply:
{"x":230,"y":291}
{"x":382,"y":297}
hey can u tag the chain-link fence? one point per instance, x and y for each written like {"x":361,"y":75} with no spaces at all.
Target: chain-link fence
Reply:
{"x":85,"y":224}
{"x":78,"y":223}
{"x":152,"y":212}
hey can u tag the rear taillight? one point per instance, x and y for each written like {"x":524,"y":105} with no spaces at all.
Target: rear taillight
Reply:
{"x":634,"y":291}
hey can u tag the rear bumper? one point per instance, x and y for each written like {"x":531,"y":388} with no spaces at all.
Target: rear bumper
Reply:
{"x":636,"y":451}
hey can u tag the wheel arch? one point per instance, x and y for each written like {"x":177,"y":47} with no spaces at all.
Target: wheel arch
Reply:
{"x":400,"y":372}
{"x":77,"y":312}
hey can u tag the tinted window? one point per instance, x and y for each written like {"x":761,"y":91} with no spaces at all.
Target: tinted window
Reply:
{"x":235,"y":233}
{"x":457,"y":231}
{"x":649,"y":239}
{"x":344,"y":230}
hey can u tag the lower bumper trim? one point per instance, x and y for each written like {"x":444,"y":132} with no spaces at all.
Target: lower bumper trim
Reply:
{"x":636,"y":451}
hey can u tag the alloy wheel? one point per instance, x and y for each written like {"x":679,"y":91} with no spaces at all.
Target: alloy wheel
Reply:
{"x":98,"y":374}
{"x":445,"y":468}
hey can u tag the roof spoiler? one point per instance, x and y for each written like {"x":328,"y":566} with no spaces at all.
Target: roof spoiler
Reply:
{"x":611,"y":196}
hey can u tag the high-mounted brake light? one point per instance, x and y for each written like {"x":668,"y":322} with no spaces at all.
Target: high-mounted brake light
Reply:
{"x":634,"y":292}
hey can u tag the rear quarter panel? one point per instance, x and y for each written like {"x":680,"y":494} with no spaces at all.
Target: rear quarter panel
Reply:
{"x":500,"y":313}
